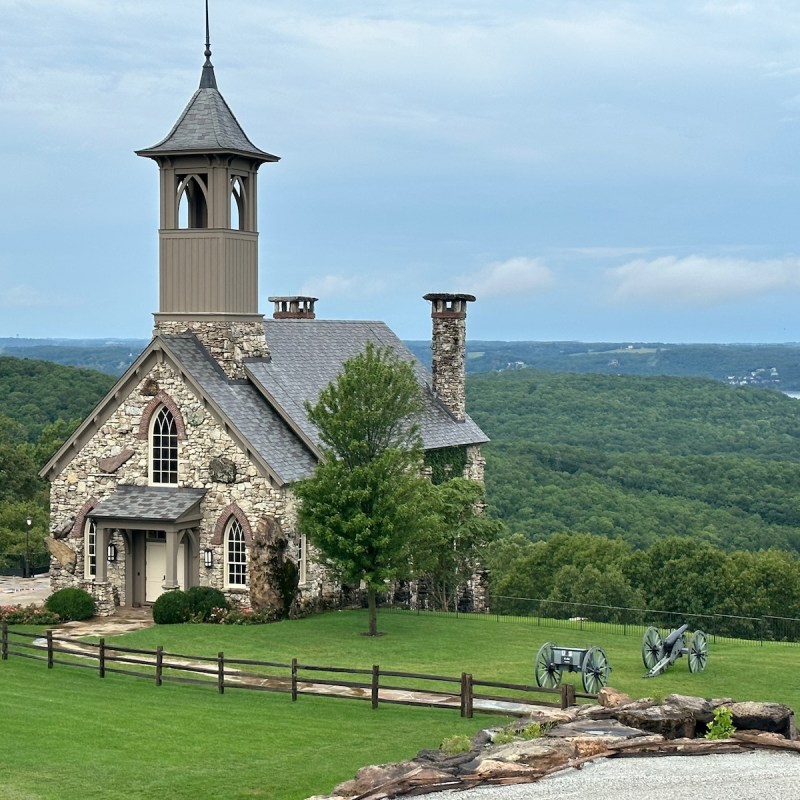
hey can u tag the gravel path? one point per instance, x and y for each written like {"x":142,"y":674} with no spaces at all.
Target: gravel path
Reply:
{"x":750,"y":776}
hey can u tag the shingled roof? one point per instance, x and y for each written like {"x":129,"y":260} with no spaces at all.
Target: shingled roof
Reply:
{"x":306,"y":355}
{"x":207,"y":125}
{"x":149,"y":503}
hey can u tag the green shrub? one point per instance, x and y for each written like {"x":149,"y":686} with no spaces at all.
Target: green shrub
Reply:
{"x":534,"y":730}
{"x":245,"y":616}
{"x":203,"y":600}
{"x":453,"y":745}
{"x":28,"y":615}
{"x":172,"y":608}
{"x":721,"y":727}
{"x":504,"y":736}
{"x":71,"y":603}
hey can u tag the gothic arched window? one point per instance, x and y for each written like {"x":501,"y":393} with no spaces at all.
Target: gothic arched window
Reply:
{"x":163,"y":447}
{"x":192,"y":201}
{"x":90,"y":550}
{"x":235,"y":554}
{"x":238,"y":203}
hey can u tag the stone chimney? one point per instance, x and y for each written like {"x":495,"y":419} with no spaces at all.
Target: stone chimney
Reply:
{"x":449,"y":344}
{"x":296,"y":307}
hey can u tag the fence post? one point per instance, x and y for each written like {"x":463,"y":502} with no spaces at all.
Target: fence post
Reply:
{"x":49,"y":649}
{"x":221,"y":673}
{"x":469,"y":695}
{"x":159,"y":664}
{"x":567,"y":695}
{"x":463,"y":694}
{"x":294,"y":680}
{"x":375,"y":679}
{"x":4,"y":641}
{"x":101,"y":658}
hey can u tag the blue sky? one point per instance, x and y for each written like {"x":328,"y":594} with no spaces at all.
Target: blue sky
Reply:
{"x":590,"y":169}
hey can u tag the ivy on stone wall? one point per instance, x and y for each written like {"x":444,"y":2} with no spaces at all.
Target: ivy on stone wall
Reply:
{"x":446,"y":463}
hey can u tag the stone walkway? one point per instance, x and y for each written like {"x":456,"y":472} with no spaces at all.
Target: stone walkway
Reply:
{"x":24,"y":591}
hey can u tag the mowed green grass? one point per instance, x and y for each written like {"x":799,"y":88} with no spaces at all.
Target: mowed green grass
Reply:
{"x":68,"y":734}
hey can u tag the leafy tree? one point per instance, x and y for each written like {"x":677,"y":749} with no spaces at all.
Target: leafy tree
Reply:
{"x":367,"y":505}
{"x":448,"y":556}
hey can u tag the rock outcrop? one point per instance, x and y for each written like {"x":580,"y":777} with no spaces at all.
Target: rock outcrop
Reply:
{"x":617,"y":727}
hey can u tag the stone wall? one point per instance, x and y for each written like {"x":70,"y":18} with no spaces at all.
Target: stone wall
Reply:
{"x":205,"y":441}
{"x":229,"y":342}
{"x":447,"y":362}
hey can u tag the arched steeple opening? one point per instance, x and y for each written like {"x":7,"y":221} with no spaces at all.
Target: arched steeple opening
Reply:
{"x":192,"y":201}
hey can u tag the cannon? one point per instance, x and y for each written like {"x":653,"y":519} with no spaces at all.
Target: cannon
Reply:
{"x":591,"y":662}
{"x":658,"y":653}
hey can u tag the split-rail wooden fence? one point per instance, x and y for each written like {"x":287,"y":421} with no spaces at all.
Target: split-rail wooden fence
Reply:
{"x":293,"y":678}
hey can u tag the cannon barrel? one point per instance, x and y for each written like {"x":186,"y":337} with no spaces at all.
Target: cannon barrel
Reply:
{"x":670,"y":641}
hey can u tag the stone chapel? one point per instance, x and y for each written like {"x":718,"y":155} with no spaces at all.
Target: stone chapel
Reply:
{"x":182,"y":475}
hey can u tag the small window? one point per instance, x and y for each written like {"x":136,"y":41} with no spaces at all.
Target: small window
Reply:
{"x":238,"y":203}
{"x":90,"y":550}
{"x":235,"y":555}
{"x":302,"y":558}
{"x":164,"y":447}
{"x":192,"y":202}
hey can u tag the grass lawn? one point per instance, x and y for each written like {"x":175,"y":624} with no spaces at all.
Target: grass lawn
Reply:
{"x":68,"y":734}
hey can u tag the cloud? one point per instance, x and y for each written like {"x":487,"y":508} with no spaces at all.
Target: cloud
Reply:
{"x":515,"y":277}
{"x":701,"y":281}
{"x":330,"y":286}
{"x":23,"y":297}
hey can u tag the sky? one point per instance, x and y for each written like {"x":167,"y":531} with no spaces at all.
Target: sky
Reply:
{"x":595,"y":170}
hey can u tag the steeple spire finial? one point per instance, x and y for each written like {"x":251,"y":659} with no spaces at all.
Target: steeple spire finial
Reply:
{"x":208,"y":80}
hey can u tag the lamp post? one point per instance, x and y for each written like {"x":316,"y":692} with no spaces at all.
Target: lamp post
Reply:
{"x":27,"y":571}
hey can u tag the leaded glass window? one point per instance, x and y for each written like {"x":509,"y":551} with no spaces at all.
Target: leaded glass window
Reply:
{"x":164,"y":447}
{"x":235,"y":555}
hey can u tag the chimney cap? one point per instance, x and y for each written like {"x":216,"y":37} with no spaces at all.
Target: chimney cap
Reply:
{"x":469,"y":298}
{"x":293,"y":307}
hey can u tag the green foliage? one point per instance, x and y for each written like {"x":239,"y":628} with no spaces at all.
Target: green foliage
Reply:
{"x":71,"y":603}
{"x":721,"y":726}
{"x":366,"y":504}
{"x":504,"y":736}
{"x":172,"y":608}
{"x":455,"y":745}
{"x":448,"y":555}
{"x":37,"y":393}
{"x":446,"y":463}
{"x":203,"y":600}
{"x":243,"y":616}
{"x":28,"y":615}
{"x":534,"y":730}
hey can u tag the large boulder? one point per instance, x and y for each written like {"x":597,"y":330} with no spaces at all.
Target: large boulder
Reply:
{"x":670,"y":720}
{"x":769,"y":717}
{"x":62,"y":553}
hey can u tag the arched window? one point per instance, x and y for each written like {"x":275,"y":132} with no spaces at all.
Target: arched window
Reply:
{"x":192,"y":201}
{"x":238,"y":203}
{"x":90,"y":550}
{"x":302,"y":558}
{"x":163,"y":447}
{"x":235,"y":554}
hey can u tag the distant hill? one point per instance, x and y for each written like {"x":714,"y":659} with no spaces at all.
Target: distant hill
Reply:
{"x":774,"y":366}
{"x":111,"y":356}
{"x":37,"y":393}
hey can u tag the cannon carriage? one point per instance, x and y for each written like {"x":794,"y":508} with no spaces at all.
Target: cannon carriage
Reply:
{"x":591,"y":662}
{"x":660,"y":653}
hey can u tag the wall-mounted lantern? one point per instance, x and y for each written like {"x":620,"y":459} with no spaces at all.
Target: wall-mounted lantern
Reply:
{"x":208,"y":558}
{"x":112,"y":553}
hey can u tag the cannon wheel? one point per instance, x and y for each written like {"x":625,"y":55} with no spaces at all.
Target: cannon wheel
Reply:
{"x":594,"y":670}
{"x":698,"y":652}
{"x":547,"y":673}
{"x":652,"y":648}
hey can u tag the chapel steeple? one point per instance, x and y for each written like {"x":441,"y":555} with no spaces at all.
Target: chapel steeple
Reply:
{"x":208,"y":232}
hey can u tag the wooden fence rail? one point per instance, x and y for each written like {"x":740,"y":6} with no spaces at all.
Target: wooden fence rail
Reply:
{"x":294,"y":677}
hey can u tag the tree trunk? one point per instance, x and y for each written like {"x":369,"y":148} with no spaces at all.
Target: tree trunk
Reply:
{"x":373,"y":611}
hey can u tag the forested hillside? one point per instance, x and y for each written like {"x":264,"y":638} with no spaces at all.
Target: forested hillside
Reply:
{"x":609,"y":471}
{"x":40,"y":404}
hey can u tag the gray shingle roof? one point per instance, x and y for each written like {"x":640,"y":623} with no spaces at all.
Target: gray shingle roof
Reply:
{"x":306,"y":355}
{"x":268,"y":434}
{"x":165,"y":504}
{"x":207,"y":125}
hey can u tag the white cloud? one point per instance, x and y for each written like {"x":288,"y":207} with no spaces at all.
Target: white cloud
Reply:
{"x":16,"y":297}
{"x":330,"y":286}
{"x":514,"y":277}
{"x":701,"y":281}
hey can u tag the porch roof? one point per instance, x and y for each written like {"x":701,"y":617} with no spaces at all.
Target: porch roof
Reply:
{"x":150,"y":504}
